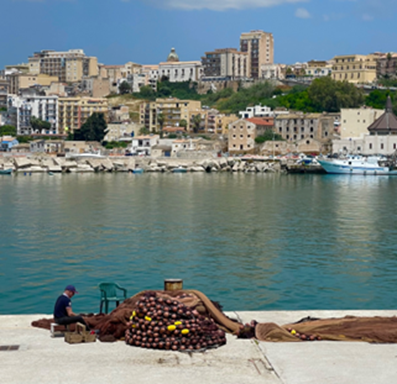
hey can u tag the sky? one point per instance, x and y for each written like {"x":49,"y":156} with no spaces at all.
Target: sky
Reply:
{"x":144,"y":31}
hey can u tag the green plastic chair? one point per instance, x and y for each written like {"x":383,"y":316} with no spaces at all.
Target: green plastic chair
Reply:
{"x":109,"y":293}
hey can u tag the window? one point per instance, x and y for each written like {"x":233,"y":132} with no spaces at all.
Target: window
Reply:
{"x":370,"y":146}
{"x":287,"y":137}
{"x":382,"y":146}
{"x":311,"y":129}
{"x":307,"y":141}
{"x":394,"y":146}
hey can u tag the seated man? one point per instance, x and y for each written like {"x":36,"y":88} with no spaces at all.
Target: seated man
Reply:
{"x":63,"y":313}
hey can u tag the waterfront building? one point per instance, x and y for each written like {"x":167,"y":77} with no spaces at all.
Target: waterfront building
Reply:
{"x":218,"y":122}
{"x":380,"y":139}
{"x":70,"y":66}
{"x":74,"y":111}
{"x":355,"y":69}
{"x":307,"y":126}
{"x":7,"y":142}
{"x":47,"y":146}
{"x":142,"y":145}
{"x":121,"y":131}
{"x":242,"y":134}
{"x":226,"y":64}
{"x":355,"y":121}
{"x":22,"y":109}
{"x":260,"y":48}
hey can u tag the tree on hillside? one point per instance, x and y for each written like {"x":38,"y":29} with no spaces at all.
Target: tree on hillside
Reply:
{"x":8,"y":130}
{"x":183,"y":123}
{"x":146,"y":92}
{"x":124,"y":88}
{"x":196,"y":123}
{"x":39,"y":125}
{"x":161,"y":120}
{"x":93,"y":129}
{"x":329,"y":95}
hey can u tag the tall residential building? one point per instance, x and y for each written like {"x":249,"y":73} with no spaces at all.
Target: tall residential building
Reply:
{"x":68,"y":66}
{"x":22,"y":109}
{"x":386,"y":66}
{"x":260,"y":48}
{"x":74,"y":111}
{"x":355,"y":68}
{"x":227,"y":63}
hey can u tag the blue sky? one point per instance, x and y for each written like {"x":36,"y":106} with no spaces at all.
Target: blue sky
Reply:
{"x":143,"y":31}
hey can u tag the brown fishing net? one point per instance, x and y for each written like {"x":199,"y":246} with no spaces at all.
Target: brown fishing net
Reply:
{"x":206,"y":318}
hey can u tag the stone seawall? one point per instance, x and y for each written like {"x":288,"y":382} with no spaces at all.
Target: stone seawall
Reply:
{"x":128,"y":164}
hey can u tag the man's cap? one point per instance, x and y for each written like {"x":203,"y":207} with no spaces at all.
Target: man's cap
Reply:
{"x":71,"y":288}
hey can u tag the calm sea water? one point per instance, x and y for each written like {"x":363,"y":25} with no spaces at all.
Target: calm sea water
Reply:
{"x":253,"y":242}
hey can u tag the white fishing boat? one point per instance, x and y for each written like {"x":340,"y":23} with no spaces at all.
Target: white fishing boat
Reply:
{"x":356,"y":165}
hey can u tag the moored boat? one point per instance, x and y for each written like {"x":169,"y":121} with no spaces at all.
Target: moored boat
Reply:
{"x":6,"y":171}
{"x":137,"y":170}
{"x":356,"y":165}
{"x":179,"y":170}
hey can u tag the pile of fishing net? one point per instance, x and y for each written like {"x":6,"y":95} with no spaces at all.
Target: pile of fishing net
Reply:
{"x":161,"y":323}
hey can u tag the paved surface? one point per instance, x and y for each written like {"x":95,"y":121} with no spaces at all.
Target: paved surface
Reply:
{"x":45,"y":360}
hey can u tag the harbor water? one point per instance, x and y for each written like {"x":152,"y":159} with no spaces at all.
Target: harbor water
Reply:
{"x":249,"y":241}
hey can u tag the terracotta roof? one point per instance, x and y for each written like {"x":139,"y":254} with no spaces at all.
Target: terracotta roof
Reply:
{"x":174,"y":129}
{"x":261,"y":121}
{"x":387,"y":122}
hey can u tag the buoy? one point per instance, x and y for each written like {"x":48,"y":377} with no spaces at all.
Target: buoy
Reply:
{"x":171,"y":327}
{"x":185,"y":331}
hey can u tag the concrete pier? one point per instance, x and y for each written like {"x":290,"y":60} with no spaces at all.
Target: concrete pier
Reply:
{"x":44,"y":360}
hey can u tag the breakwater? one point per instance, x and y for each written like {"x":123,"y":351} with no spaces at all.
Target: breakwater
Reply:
{"x":127,"y":164}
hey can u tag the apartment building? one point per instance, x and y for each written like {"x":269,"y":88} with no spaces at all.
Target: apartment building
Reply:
{"x":227,"y":63}
{"x":20,"y":80}
{"x":69,"y":66}
{"x":22,"y":109}
{"x":306,"y":126}
{"x":242,"y":134}
{"x":260,"y":48}
{"x":386,"y":66}
{"x":355,"y":68}
{"x":219,"y":122}
{"x":74,"y":111}
{"x":173,"y":111}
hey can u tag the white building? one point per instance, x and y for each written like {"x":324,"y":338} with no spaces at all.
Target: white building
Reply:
{"x":142,"y":145}
{"x":355,"y":121}
{"x":257,"y":111}
{"x":181,"y":71}
{"x":22,"y":109}
{"x":272,"y":71}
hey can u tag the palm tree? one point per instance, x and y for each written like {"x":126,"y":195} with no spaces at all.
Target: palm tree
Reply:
{"x":160,"y":120}
{"x":196,"y":123}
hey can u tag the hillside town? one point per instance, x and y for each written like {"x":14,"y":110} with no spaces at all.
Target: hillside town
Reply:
{"x":47,"y":103}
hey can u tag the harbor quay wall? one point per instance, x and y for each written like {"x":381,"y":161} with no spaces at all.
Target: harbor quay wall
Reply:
{"x":33,"y":164}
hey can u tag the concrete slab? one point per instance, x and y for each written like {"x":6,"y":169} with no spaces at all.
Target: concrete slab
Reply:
{"x":42,"y":359}
{"x":45,"y":360}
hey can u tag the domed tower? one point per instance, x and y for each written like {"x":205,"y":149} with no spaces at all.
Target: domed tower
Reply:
{"x":173,"y":57}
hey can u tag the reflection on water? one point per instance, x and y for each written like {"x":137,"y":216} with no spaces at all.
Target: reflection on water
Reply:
{"x":250,"y":241}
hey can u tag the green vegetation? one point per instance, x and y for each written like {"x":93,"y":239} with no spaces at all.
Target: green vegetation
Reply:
{"x":8,"y":130}
{"x":115,"y":144}
{"x":124,"y":88}
{"x":268,"y":136}
{"x":3,"y":109}
{"x":25,"y":139}
{"x":93,"y":129}
{"x":323,"y":95}
{"x":38,"y":124}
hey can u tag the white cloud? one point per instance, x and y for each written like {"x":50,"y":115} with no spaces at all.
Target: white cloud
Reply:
{"x":302,"y":13}
{"x":221,"y":5}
